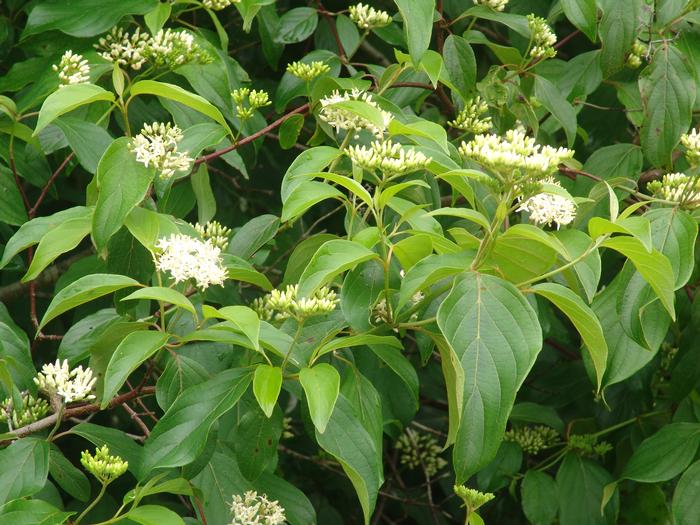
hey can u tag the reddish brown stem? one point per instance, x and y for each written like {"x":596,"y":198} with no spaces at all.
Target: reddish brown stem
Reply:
{"x":45,"y":190}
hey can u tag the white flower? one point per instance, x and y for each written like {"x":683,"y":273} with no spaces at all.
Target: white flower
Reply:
{"x":470,"y":118}
{"x":283,"y":304}
{"x":678,"y":187}
{"x":543,"y":38}
{"x":515,"y":154}
{"x":691,"y":142}
{"x":341,"y":118}
{"x":254,"y":509}
{"x":185,"y":257}
{"x":367,"y":17}
{"x":72,"y":385}
{"x":123,"y":48}
{"x":548,"y":208}
{"x":72,"y":69}
{"x":387,"y":156}
{"x":156,"y":146}
{"x":496,"y":5}
{"x":218,"y":5}
{"x":307,"y":72}
{"x":171,"y":49}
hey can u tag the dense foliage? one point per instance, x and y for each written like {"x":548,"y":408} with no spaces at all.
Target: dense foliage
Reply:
{"x":304,"y":262}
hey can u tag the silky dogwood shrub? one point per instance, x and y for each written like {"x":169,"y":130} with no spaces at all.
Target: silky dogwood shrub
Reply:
{"x":312,"y":262}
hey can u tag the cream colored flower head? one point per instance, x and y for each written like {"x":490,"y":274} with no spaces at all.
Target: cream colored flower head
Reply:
{"x":218,"y":5}
{"x":542,"y":36}
{"x":550,"y":208}
{"x":187,"y":258}
{"x":496,"y":5}
{"x":156,"y":146}
{"x":342,"y":118}
{"x":123,"y":48}
{"x":389,"y":157}
{"x":72,"y":69}
{"x":73,"y":385}
{"x":284,"y":304}
{"x":679,"y":188}
{"x":308,"y":71}
{"x":367,"y":17}
{"x":252,"y":508}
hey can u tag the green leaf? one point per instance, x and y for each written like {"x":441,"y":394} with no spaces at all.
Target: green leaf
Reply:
{"x":654,"y":267}
{"x":267,"y":383}
{"x":686,"y":510}
{"x":296,"y":25}
{"x":154,"y":515}
{"x":585,"y":321}
{"x":82,"y":18}
{"x":638,"y":227}
{"x":84,"y":290}
{"x":253,"y":235}
{"x":560,"y":108}
{"x":460,"y":64}
{"x":417,"y":18}
{"x":164,"y":295}
{"x":430,"y":270}
{"x":305,"y":195}
{"x":206,"y":202}
{"x":129,"y":355}
{"x":495,"y":334}
{"x":67,"y":99}
{"x":118,"y":442}
{"x":321,"y":385}
{"x":665,"y":454}
{"x":392,"y":356}
{"x":180,"y":373}
{"x":181,"y":434}
{"x":239,"y":270}
{"x":539,"y":501}
{"x":289,"y":131}
{"x":122,"y":183}
{"x":580,"y":484}
{"x":332,"y":258}
{"x":668,"y":93}
{"x":56,"y":242}
{"x":12,"y":210}
{"x":24,"y":467}
{"x":618,"y":29}
{"x":347,"y":440}
{"x":89,"y":141}
{"x":32,"y":512}
{"x":178,"y":94}
{"x":583,"y":14}
{"x":157,"y":17}
{"x":243,"y":318}
{"x":68,"y":477}
{"x":356,"y":340}
{"x":312,"y":160}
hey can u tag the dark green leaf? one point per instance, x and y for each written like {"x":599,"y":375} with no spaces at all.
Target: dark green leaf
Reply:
{"x":24,"y":467}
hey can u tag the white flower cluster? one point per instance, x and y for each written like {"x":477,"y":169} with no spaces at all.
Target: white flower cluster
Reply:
{"x":367,"y":17}
{"x":218,"y":5}
{"x":185,"y":257}
{"x":72,"y":69}
{"x":678,"y":187}
{"x":156,"y":146}
{"x":170,"y":49}
{"x":254,"y":509}
{"x":420,"y":451}
{"x":32,"y":409}
{"x":215,"y":232}
{"x":342,"y":118}
{"x":496,"y":5}
{"x":470,"y":119}
{"x":284,"y":304}
{"x":543,"y":38}
{"x":515,"y":154}
{"x":308,"y":71}
{"x":548,"y":208}
{"x":124,"y":49}
{"x":391,"y":158}
{"x":104,"y":467}
{"x":634,"y":59}
{"x":72,"y":385}
{"x":247,"y":101}
{"x":691,"y":142}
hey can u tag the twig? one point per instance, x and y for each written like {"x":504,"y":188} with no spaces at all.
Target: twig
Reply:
{"x":136,"y":419}
{"x":45,"y":190}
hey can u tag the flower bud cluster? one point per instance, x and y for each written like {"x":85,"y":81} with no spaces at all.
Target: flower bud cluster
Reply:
{"x":171,"y":49}
{"x":156,"y":146}
{"x":341,"y":118}
{"x":471,"y":119}
{"x":367,"y":17}
{"x":104,"y":467}
{"x":532,"y":440}
{"x":307,"y":72}
{"x":72,"y":69}
{"x":284,"y":304}
{"x":248,"y":101}
{"x":678,"y":187}
{"x":543,"y":38}
{"x":123,"y":48}
{"x":420,"y":451}
{"x":254,"y":509}
{"x":72,"y":385}
{"x":185,"y":258}
{"x":691,"y":142}
{"x":473,"y":499}
{"x":32,"y":409}
{"x":218,"y":5}
{"x":587,"y":445}
{"x":547,"y":208}
{"x":381,"y":312}
{"x":496,"y":5}
{"x":634,"y":59}
{"x":214,"y":232}
{"x":391,"y":158}
{"x":515,"y":157}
